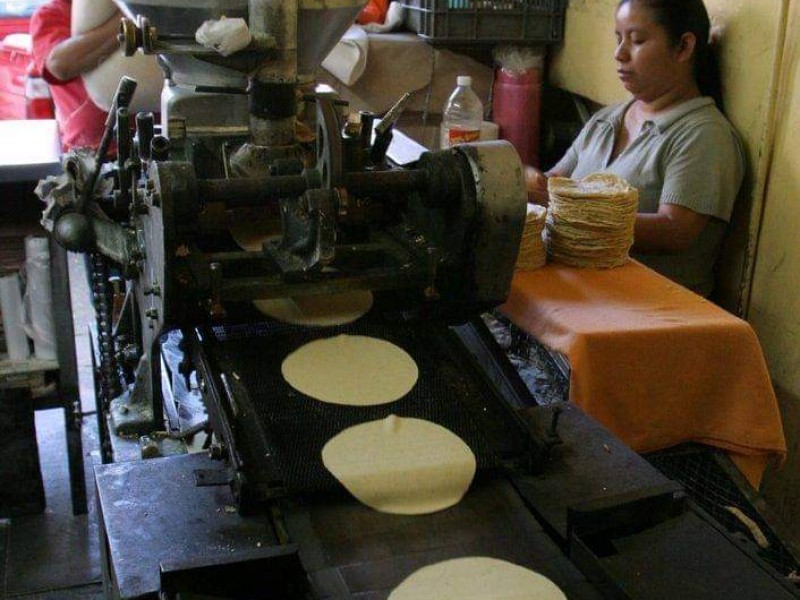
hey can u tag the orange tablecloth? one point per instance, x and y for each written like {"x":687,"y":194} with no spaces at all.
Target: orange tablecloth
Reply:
{"x":655,"y":363}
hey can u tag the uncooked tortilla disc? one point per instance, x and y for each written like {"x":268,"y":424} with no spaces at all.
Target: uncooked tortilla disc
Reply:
{"x":354,"y":370}
{"x":250,"y":231}
{"x":476,"y":578}
{"x":326,"y":310}
{"x":401,"y":466}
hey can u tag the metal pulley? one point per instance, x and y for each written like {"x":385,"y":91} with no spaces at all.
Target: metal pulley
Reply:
{"x":141,"y":34}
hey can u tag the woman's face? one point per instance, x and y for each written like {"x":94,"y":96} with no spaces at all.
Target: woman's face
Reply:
{"x":648,"y":63}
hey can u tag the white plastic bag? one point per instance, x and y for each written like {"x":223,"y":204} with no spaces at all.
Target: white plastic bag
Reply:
{"x":226,"y":36}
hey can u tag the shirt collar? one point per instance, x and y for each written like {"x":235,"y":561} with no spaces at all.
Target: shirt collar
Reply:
{"x":663,"y":121}
{"x":614,"y":118}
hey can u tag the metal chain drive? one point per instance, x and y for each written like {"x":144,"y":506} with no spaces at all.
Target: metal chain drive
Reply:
{"x":101,"y":294}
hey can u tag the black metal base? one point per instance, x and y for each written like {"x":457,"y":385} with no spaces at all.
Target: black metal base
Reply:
{"x":594,"y":516}
{"x":598,"y":521}
{"x":161,"y":533}
{"x":631,"y":530}
{"x":152,"y":514}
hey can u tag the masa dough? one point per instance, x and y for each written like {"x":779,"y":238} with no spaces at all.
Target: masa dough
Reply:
{"x":354,"y":370}
{"x":250,"y":231}
{"x":401,"y":466}
{"x":326,"y":310}
{"x":476,"y":578}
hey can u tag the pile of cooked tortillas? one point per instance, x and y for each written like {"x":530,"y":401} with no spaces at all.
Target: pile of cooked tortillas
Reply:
{"x":532,"y":254}
{"x":590,"y":221}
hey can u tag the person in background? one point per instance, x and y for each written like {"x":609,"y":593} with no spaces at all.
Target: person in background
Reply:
{"x":62,"y":58}
{"x":670,"y":140}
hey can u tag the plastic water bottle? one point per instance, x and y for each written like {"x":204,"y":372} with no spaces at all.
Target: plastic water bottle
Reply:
{"x":462,"y":115}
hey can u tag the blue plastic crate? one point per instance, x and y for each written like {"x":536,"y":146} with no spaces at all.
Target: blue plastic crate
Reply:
{"x":486,"y":21}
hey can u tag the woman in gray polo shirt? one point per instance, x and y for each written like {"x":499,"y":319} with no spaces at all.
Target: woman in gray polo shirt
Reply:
{"x":670,"y":140}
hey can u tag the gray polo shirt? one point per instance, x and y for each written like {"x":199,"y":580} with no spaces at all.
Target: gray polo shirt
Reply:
{"x":689,"y":156}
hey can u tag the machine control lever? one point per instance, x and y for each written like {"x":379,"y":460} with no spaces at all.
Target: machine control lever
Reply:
{"x":383,"y":129}
{"x":122,"y":98}
{"x":392,"y":115}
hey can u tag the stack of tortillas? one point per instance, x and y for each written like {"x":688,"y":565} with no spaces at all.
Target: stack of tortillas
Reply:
{"x":590,"y":221}
{"x":532,"y":254}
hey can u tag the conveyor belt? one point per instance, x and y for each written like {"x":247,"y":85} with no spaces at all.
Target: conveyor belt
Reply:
{"x":293,"y":427}
{"x":351,"y":551}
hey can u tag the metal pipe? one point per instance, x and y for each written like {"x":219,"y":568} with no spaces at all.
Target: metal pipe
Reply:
{"x":124,"y":143}
{"x":123,"y":137}
{"x":144,"y":134}
{"x":244,"y":192}
{"x":252,"y":288}
{"x":277,"y":18}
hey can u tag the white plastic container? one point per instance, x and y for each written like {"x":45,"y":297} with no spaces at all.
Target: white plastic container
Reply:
{"x":462,"y":116}
{"x":39,"y":297}
{"x":13,"y":317}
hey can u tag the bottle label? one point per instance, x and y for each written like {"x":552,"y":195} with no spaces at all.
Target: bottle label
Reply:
{"x":462,"y":136}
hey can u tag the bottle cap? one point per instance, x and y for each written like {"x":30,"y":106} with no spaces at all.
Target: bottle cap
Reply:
{"x":464,"y":80}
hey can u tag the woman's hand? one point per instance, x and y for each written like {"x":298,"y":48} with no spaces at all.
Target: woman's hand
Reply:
{"x":536,"y":186}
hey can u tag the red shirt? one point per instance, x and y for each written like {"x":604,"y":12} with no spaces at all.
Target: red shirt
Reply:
{"x":80,"y":121}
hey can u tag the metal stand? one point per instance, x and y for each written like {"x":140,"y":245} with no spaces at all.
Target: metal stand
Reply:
{"x":68,"y":396}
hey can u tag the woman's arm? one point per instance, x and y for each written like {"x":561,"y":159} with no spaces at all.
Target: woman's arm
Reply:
{"x":83,"y":52}
{"x":536,"y":184}
{"x":672,"y":229}
{"x":702,"y":175}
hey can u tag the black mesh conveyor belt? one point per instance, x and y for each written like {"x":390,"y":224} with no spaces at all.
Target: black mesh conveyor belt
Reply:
{"x":295,"y":427}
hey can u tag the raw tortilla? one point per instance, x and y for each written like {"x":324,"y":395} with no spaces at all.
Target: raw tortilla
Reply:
{"x":353,"y":370}
{"x":476,"y":578}
{"x":250,"y":234}
{"x":325,"y":310}
{"x":401,"y":466}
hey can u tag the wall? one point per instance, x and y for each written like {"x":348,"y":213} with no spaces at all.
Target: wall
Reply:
{"x":775,"y":296}
{"x":775,"y":299}
{"x":760,"y":62}
{"x":585,"y":63}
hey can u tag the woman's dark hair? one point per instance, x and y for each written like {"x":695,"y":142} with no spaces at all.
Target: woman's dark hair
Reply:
{"x":689,"y":16}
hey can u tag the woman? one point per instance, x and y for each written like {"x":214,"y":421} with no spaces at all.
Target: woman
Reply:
{"x":62,"y":58}
{"x":669,"y":140}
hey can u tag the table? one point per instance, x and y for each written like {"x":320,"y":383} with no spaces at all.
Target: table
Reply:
{"x":30,"y":150}
{"x":655,"y":363}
